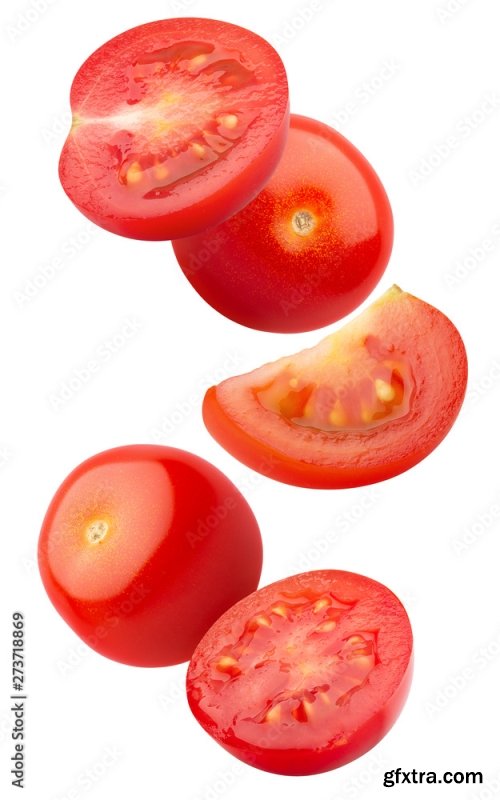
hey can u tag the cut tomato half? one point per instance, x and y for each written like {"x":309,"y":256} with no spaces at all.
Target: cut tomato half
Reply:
{"x":177,"y":124}
{"x":368,"y":402}
{"x":306,"y":674}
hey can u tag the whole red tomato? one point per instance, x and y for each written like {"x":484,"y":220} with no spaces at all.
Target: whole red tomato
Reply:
{"x":310,"y":247}
{"x":143,"y":547}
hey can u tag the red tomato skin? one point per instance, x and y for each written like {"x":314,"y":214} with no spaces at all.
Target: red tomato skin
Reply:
{"x":185,"y":585}
{"x":363,"y":470}
{"x":228,"y":192}
{"x":301,"y":761}
{"x":242,"y":270}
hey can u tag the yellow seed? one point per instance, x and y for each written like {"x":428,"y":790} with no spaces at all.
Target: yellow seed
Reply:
{"x":322,"y":603}
{"x":384,"y":390}
{"x":279,"y":610}
{"x":198,"y":149}
{"x":263,"y":621}
{"x":363,"y":662}
{"x":196,"y":61}
{"x":160,"y":172}
{"x":337,"y":417}
{"x":274,"y":714}
{"x":325,"y":698}
{"x":134,"y":173}
{"x":308,"y":708}
{"x":226,"y":662}
{"x":293,"y":383}
{"x":229,"y":121}
{"x":366,"y":414}
{"x":355,"y":639}
{"x":325,"y":627}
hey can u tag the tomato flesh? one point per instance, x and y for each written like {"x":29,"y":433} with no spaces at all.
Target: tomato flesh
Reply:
{"x":306,"y":674}
{"x":143,"y":547}
{"x":368,"y":402}
{"x":310,"y":247}
{"x":176,"y":125}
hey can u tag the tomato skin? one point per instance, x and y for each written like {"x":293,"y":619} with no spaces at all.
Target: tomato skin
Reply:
{"x":219,"y":189}
{"x":292,"y":749}
{"x":206,"y":557}
{"x":256,"y":270}
{"x":352,"y":458}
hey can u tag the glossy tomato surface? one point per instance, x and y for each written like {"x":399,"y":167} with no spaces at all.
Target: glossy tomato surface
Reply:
{"x":176,"y":125}
{"x":368,"y":402}
{"x":306,"y":674}
{"x":310,"y":247}
{"x":143,"y":547}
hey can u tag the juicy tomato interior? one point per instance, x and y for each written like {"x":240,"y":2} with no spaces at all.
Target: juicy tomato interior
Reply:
{"x":297,"y":677}
{"x":143,"y":547}
{"x":310,"y":247}
{"x":368,"y":402}
{"x":162,"y":109}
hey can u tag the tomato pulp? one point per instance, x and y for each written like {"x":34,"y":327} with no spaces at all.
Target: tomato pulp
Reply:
{"x":176,"y":125}
{"x":310,"y":247}
{"x":304,"y":675}
{"x":143,"y":547}
{"x":368,"y":402}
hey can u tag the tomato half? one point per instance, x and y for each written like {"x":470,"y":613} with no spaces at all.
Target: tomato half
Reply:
{"x":368,"y":402}
{"x":306,"y":674}
{"x":176,"y":125}
{"x":310,"y":247}
{"x":143,"y":547}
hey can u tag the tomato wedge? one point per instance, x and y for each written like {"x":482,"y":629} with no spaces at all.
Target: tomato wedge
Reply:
{"x":306,"y":674}
{"x":311,"y":246}
{"x":176,"y":125}
{"x":368,"y":402}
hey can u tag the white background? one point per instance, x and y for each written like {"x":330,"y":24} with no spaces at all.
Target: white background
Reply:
{"x":399,"y":79}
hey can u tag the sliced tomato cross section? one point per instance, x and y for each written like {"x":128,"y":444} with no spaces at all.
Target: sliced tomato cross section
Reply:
{"x":306,"y":674}
{"x":368,"y":402}
{"x":176,"y":125}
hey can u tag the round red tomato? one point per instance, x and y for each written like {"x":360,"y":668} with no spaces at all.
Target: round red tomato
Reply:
{"x":368,"y":402}
{"x":176,"y":125}
{"x":141,"y":550}
{"x":310,"y":247}
{"x":304,"y":675}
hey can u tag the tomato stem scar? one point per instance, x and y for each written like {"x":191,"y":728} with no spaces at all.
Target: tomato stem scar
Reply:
{"x":303,"y":222}
{"x":97,"y":531}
